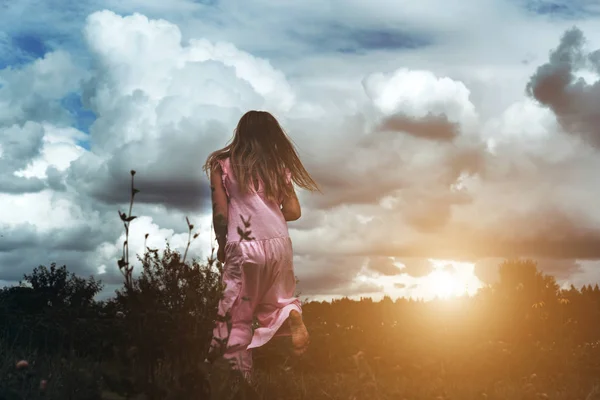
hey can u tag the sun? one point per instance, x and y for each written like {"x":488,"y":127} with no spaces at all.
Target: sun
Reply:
{"x":443,"y":284}
{"x":450,"y":279}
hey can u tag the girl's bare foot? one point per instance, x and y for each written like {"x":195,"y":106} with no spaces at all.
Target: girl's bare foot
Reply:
{"x":300,"y":337}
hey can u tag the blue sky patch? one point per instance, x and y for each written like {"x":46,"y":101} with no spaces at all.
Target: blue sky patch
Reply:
{"x":30,"y":44}
{"x":82,"y":117}
{"x":20,"y":49}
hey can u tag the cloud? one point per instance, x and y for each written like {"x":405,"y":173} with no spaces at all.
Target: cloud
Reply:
{"x":420,"y":94}
{"x":340,"y":38}
{"x":574,"y":101}
{"x":431,"y":127}
{"x":423,"y":142}
{"x":180,"y":106}
{"x":327,"y":275}
{"x":417,"y":268}
{"x":487,"y":270}
{"x":384,"y":266}
{"x":32,"y":93}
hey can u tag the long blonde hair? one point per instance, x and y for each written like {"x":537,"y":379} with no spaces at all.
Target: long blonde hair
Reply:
{"x":260,"y":149}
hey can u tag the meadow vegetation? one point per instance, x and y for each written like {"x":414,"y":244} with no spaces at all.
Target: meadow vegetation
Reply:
{"x":520,"y":338}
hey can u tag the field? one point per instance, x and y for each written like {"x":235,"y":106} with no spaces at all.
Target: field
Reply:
{"x":521,"y":338}
{"x":457,"y":349}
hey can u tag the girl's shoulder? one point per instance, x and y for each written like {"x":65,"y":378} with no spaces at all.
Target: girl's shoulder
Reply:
{"x":224,"y":162}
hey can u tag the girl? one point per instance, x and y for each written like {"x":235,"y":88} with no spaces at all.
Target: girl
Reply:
{"x":253,"y":197}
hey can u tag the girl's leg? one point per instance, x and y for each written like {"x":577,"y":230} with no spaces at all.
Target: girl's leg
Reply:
{"x":233,"y":330}
{"x":232,"y":335}
{"x":299,"y":333}
{"x":279,"y":311}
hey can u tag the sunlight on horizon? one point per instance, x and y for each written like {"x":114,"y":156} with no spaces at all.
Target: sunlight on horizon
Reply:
{"x":450,"y":279}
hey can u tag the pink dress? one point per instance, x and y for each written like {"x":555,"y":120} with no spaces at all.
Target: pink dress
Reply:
{"x":258,"y":273}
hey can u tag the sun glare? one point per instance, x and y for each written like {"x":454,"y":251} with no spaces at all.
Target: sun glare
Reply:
{"x":448,"y":279}
{"x":443,"y":284}
{"x":451,"y":279}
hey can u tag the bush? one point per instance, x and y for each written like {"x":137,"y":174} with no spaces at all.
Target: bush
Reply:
{"x":52,"y":311}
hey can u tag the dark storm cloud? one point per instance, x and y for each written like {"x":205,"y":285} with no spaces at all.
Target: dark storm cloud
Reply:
{"x":82,"y":238}
{"x":373,"y":165}
{"x":431,"y":127}
{"x":172,"y":176}
{"x":185,"y":193}
{"x":322,"y":275}
{"x":384,"y":266}
{"x":341,"y":186}
{"x":548,"y":233}
{"x":20,"y":145}
{"x":432,"y":211}
{"x":12,"y":184}
{"x":23,"y":236}
{"x":55,"y":179}
{"x":594,"y":61}
{"x":14,"y":264}
{"x":23,"y":247}
{"x":345,"y":180}
{"x":575,"y":103}
{"x":564,"y":9}
{"x":337,"y":37}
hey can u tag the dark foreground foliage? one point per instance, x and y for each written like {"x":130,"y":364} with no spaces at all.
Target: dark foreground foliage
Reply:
{"x":521,"y":338}
{"x":529,"y":340}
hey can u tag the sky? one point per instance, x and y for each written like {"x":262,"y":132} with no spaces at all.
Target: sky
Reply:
{"x":446,"y":135}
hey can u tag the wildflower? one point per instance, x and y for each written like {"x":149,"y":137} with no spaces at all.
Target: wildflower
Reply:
{"x":22,"y":364}
{"x":358,"y":356}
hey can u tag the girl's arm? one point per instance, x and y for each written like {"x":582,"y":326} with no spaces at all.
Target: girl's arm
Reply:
{"x":219,"y":205}
{"x":291,"y":207}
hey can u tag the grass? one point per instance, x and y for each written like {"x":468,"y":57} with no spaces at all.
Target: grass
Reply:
{"x":483,"y":371}
{"x":522,"y":339}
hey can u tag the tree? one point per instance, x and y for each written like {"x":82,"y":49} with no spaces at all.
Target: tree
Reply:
{"x":523,"y":277}
{"x":55,"y":287}
{"x":52,"y":309}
